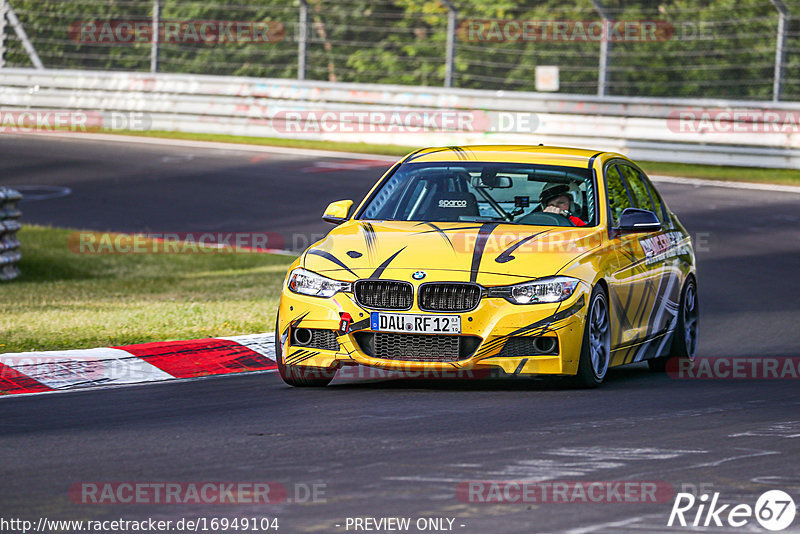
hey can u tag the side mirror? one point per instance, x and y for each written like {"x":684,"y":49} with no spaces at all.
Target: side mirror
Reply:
{"x":337,"y":212}
{"x":636,"y":220}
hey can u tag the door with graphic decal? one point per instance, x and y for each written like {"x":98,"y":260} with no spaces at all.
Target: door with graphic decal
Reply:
{"x":658,"y":248}
{"x":635,"y":280}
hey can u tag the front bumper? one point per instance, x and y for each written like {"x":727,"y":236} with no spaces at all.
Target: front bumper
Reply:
{"x":494,"y":322}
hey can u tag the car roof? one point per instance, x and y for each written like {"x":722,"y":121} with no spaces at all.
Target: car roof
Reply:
{"x":544,"y":155}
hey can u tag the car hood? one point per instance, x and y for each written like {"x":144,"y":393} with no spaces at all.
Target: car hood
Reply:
{"x":486,"y":253}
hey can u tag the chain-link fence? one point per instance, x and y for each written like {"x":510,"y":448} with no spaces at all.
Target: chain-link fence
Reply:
{"x":746,"y":49}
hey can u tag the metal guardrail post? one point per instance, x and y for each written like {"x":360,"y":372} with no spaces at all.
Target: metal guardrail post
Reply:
{"x":156,"y":36}
{"x":3,"y":9}
{"x":10,"y":254}
{"x":450,"y":60}
{"x":602,"y":68}
{"x":302,"y":40}
{"x":780,"y":48}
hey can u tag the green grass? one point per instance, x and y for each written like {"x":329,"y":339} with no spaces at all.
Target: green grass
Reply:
{"x":66,"y":300}
{"x":363,"y":148}
{"x":709,"y":172}
{"x":715,"y":172}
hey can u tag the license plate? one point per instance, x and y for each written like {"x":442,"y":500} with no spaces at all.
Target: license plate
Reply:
{"x":415,"y":324}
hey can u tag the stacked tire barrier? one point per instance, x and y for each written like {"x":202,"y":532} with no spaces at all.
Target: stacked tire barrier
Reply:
{"x":10,"y":253}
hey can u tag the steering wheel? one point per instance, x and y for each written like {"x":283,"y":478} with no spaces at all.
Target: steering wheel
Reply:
{"x":545,"y":219}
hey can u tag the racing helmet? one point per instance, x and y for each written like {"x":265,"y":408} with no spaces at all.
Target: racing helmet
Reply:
{"x":553,"y":190}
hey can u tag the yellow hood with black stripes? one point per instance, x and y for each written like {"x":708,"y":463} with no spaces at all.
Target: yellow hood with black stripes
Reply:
{"x":486,"y":253}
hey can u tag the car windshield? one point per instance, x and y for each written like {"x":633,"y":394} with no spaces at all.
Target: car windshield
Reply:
{"x":517,"y":193}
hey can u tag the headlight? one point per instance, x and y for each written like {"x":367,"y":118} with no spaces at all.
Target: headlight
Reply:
{"x":308,"y":283}
{"x":554,"y":289}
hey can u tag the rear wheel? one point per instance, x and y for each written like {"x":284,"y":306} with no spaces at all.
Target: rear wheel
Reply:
{"x":684,"y":340}
{"x":296,"y":375}
{"x":596,"y":349}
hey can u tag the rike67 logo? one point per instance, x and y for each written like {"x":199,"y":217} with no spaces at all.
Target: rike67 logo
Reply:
{"x":774,"y":510}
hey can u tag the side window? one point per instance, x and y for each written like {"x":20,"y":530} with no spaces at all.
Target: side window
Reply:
{"x":661,"y":212}
{"x":641,"y":193}
{"x":618,"y":197}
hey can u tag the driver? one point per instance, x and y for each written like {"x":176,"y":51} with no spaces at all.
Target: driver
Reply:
{"x":556,"y":198}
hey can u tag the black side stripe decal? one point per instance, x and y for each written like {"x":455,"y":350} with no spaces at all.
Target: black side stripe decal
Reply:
{"x":300,"y":356}
{"x":415,"y":155}
{"x":641,"y":308}
{"x":440,"y":232}
{"x":444,"y":230}
{"x":330,"y":257}
{"x":296,"y":354}
{"x":304,"y":358}
{"x":382,"y":267}
{"x":559,"y":315}
{"x":294,"y":322}
{"x":621,"y":315}
{"x":540,"y":331}
{"x":369,"y":238}
{"x":506,"y":256}
{"x":458,"y":151}
{"x":480,"y":245}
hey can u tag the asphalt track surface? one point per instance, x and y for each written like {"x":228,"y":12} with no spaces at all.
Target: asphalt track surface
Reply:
{"x":400,"y":448}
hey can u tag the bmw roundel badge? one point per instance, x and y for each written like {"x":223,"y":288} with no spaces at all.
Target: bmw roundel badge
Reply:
{"x":419,"y":275}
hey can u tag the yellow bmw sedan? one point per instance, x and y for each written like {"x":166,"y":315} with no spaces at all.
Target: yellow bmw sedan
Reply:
{"x":520,"y":260}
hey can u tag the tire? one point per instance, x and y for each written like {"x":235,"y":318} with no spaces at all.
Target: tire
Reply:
{"x":684,"y":340}
{"x":300,"y":376}
{"x":596,"y":347}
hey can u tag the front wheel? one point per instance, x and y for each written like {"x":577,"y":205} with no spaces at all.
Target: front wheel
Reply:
{"x":296,"y":375}
{"x":684,"y":340}
{"x":596,"y":349}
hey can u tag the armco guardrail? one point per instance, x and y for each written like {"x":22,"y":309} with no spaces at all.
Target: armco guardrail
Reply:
{"x":9,"y":226}
{"x":723,"y":132}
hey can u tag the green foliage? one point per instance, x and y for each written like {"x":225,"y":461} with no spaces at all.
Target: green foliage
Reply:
{"x":705,"y":48}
